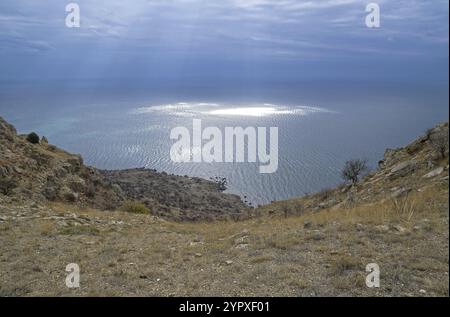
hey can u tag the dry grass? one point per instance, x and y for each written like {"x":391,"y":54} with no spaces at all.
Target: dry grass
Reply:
{"x":79,"y":230}
{"x":46,"y":228}
{"x":270,"y":256}
{"x":405,"y":210}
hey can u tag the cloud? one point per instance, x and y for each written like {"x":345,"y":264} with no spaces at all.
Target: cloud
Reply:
{"x":191,"y":31}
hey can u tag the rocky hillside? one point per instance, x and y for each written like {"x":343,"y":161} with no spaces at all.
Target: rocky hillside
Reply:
{"x":177,"y":198}
{"x":43,"y":173}
{"x":421,"y":164}
{"x":318,"y":245}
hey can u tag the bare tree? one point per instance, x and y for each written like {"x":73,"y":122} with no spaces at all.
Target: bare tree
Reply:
{"x":439,"y":141}
{"x":353,"y":169}
{"x":221,"y":182}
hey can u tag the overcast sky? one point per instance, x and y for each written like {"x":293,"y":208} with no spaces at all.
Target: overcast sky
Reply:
{"x":229,"y":38}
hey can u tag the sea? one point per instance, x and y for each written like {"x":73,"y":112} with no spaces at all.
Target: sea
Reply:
{"x":118,"y":124}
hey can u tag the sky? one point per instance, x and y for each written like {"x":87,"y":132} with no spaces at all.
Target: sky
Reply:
{"x":254,"y":39}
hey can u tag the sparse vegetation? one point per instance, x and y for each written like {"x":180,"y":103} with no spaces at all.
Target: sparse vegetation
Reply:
{"x":135,"y":207}
{"x":354,"y":169}
{"x":404,"y":207}
{"x":46,"y":228}
{"x":318,"y":245}
{"x":90,"y":191}
{"x":7,"y":184}
{"x":221,"y":182}
{"x":325,"y":194}
{"x":345,"y":263}
{"x":70,"y":197}
{"x":286,"y":209}
{"x":79,"y":230}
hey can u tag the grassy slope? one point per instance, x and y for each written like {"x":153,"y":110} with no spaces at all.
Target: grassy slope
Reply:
{"x":318,"y":250}
{"x":125,"y":254}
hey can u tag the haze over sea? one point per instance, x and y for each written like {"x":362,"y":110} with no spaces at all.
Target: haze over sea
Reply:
{"x":321,"y":124}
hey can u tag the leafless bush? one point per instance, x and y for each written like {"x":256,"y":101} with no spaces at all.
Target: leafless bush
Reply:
{"x":221,"y":183}
{"x":353,"y":169}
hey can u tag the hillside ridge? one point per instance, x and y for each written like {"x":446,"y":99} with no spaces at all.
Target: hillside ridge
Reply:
{"x":319,"y":245}
{"x":44,"y":173}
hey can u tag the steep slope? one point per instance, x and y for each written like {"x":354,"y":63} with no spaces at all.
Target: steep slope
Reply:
{"x":43,"y":173}
{"x":396,"y":217}
{"x":402,"y":171}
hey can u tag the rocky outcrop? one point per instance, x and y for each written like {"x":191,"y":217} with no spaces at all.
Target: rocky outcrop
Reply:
{"x":180,"y":198}
{"x":402,"y":171}
{"x":7,"y":131}
{"x":43,"y":173}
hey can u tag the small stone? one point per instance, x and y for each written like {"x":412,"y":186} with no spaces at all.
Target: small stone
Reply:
{"x":422,"y":291}
{"x":399,"y":228}
{"x":198,"y":255}
{"x":382,"y":228}
{"x":434,"y":172}
{"x":229,"y":262}
{"x":18,"y":170}
{"x":400,"y":192}
{"x":240,"y":240}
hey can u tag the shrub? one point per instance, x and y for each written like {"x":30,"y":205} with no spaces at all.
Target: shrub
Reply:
{"x":221,"y":183}
{"x":345,"y":263}
{"x":33,"y":138}
{"x":325,"y":194}
{"x":70,"y":197}
{"x":353,"y":169}
{"x":285,"y":208}
{"x":135,"y":207}
{"x":7,"y":184}
{"x":90,"y":191}
{"x":428,"y":133}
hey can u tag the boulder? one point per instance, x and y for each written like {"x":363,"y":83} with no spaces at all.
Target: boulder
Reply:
{"x":400,"y":192}
{"x":402,"y":169}
{"x":434,"y":172}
